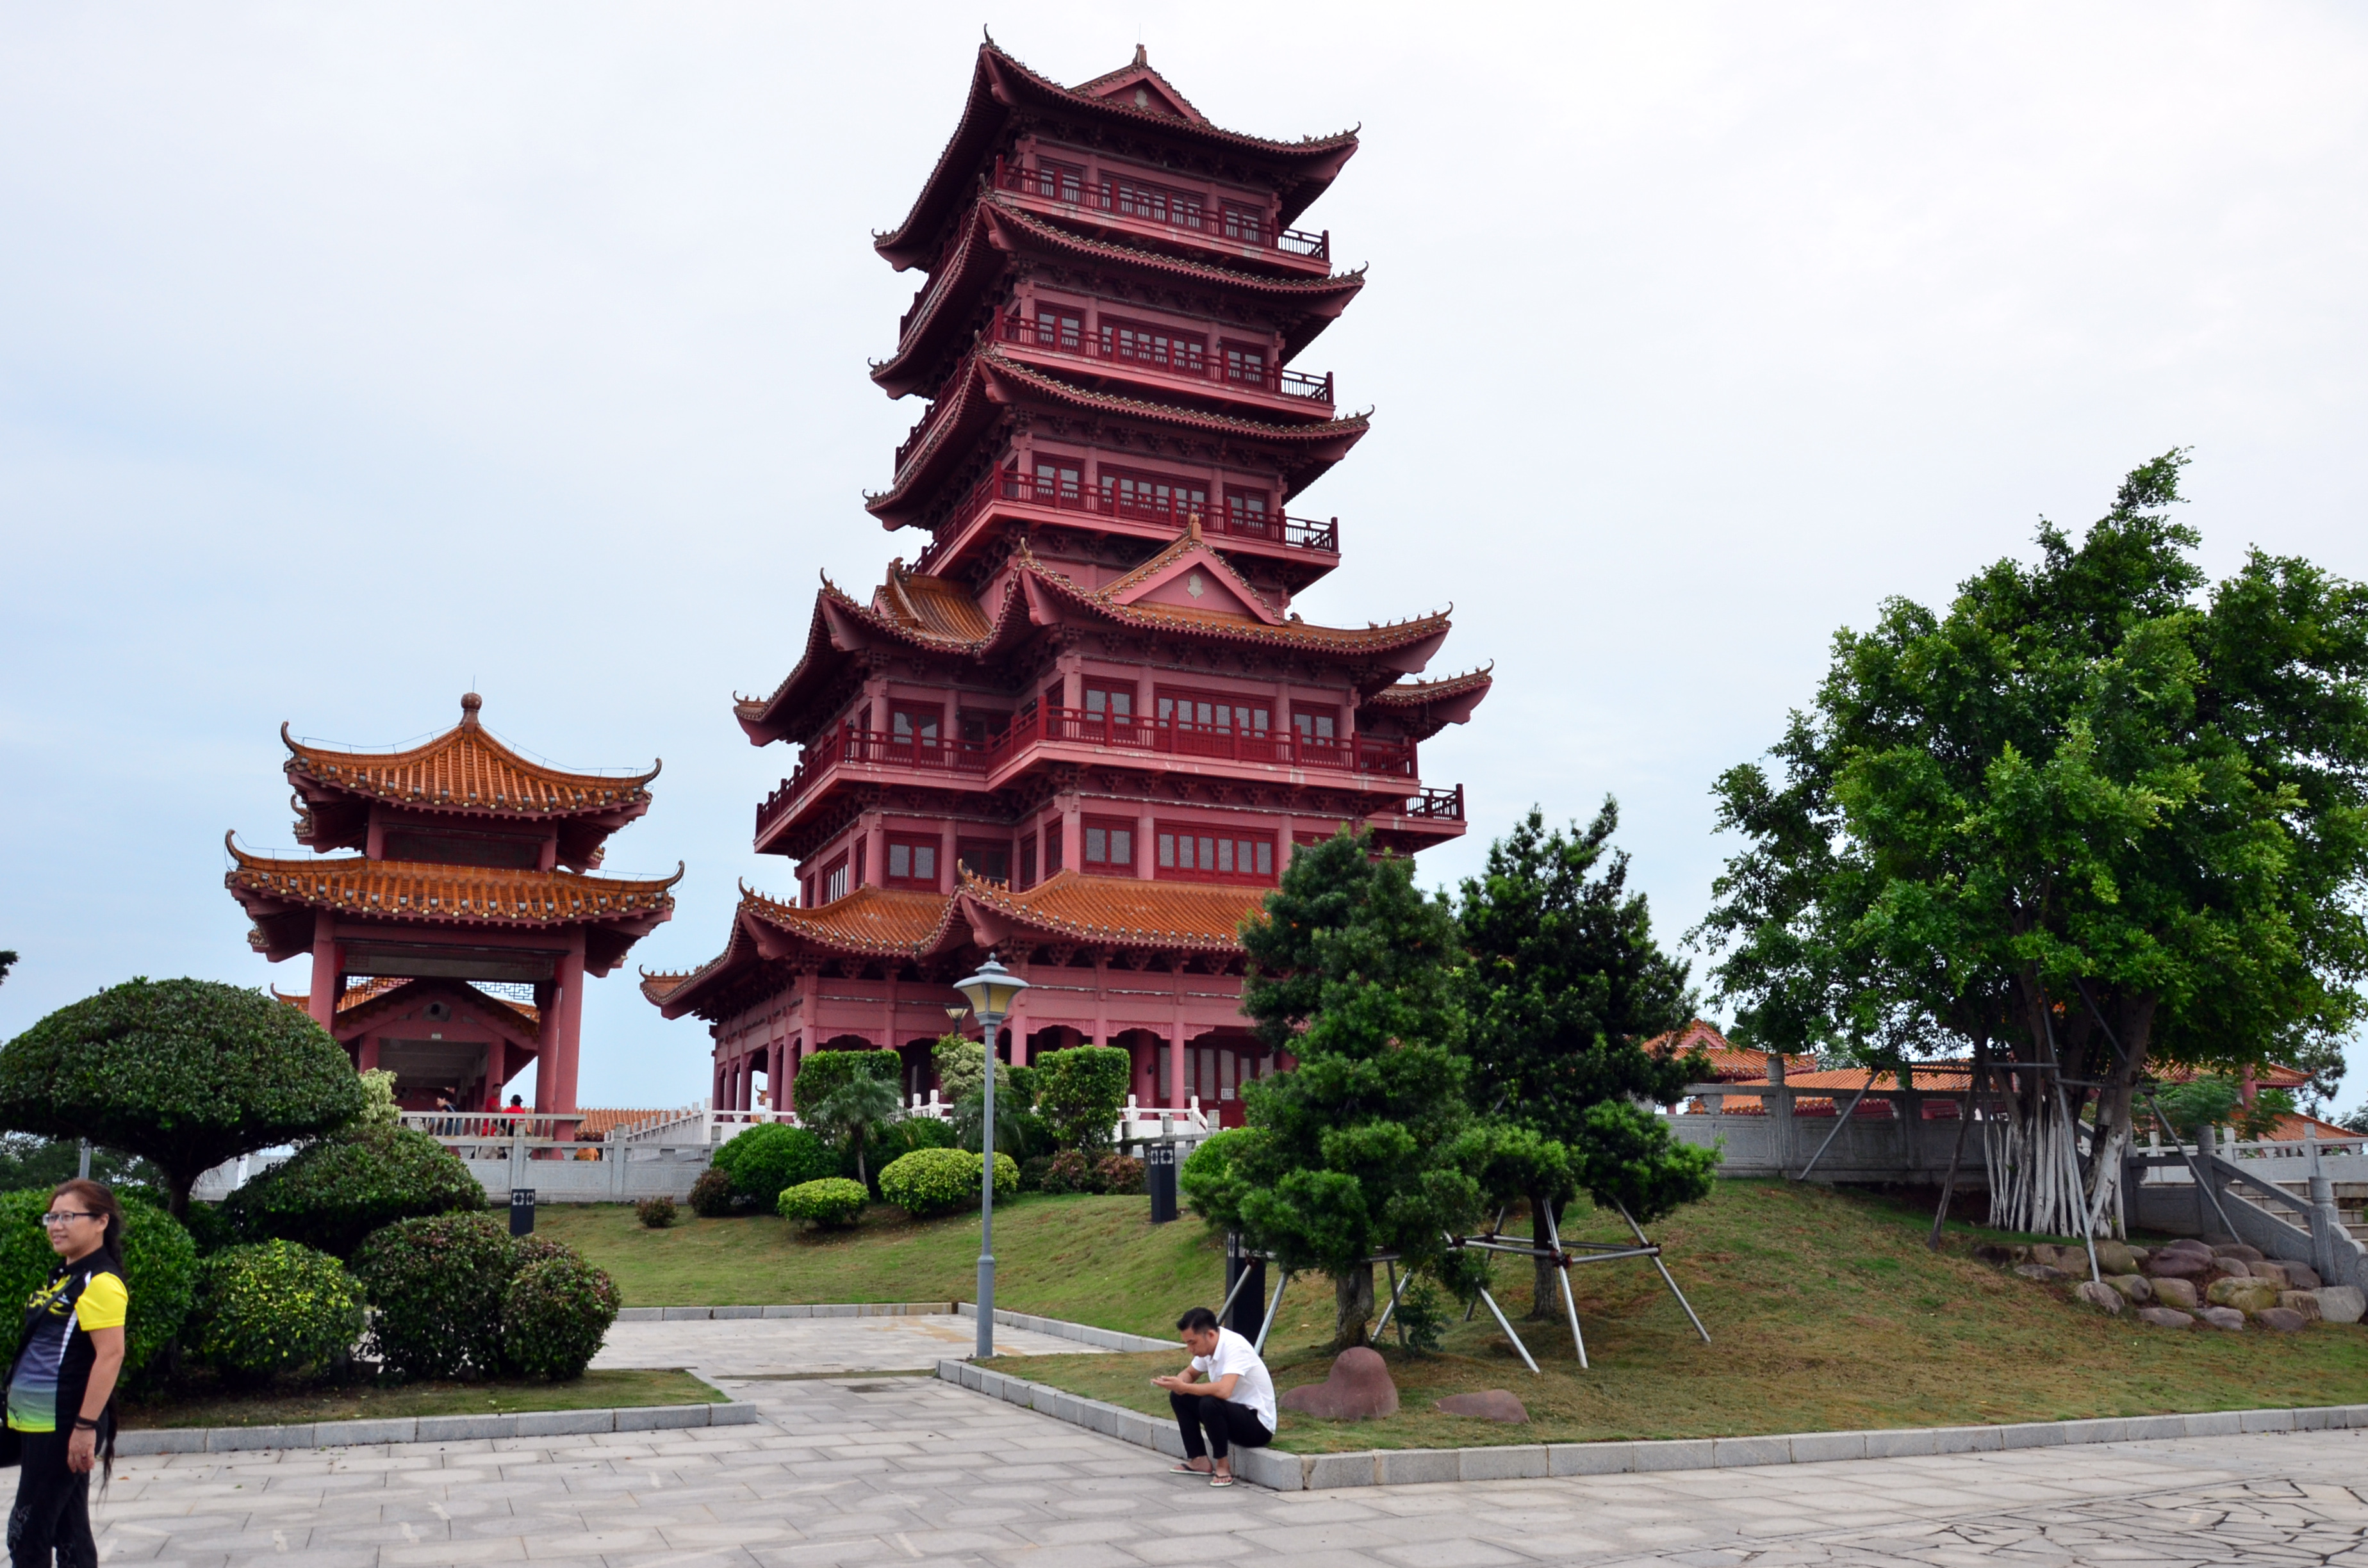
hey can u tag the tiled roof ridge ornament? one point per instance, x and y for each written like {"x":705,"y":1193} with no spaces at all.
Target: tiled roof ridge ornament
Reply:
{"x":470,"y":703}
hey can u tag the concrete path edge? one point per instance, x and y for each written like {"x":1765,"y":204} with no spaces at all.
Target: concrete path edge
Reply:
{"x":1386,"y":1467}
{"x":432,"y":1429}
{"x":1059,"y":1328}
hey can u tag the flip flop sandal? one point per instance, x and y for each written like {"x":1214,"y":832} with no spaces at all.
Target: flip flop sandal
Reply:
{"x":1187,"y":1470}
{"x":1221,"y":1481}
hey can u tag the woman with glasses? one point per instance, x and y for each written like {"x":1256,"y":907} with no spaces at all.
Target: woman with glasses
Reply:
{"x":61,"y":1388}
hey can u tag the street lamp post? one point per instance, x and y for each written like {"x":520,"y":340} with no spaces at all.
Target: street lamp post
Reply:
{"x":991,"y":992}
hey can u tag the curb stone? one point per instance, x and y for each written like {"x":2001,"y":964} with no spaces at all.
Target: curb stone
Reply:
{"x":431,"y":1429}
{"x":826,"y":1310}
{"x":1386,"y":1467}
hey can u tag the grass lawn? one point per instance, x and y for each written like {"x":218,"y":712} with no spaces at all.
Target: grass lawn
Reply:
{"x":593,"y":1391}
{"x":1826,"y":1310}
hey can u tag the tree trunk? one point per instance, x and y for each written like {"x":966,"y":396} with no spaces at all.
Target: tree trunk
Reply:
{"x":1352,"y":1306}
{"x":1545,"y":1292}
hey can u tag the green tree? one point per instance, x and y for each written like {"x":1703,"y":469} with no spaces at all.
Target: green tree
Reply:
{"x":2093,"y":817}
{"x":185,"y":1074}
{"x":1352,"y":972}
{"x":855,"y":1114}
{"x":1564,"y":985}
{"x":1080,"y":1091}
{"x":825,"y":1073}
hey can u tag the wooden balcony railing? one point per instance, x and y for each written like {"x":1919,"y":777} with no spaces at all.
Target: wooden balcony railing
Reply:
{"x":1190,"y":360}
{"x":1150,"y":737}
{"x":1011,"y":485}
{"x":1187,"y":213}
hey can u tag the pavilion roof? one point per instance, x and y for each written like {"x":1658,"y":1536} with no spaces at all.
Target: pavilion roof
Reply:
{"x":1124,"y":911}
{"x":465,"y":771}
{"x":1036,"y":595}
{"x":372,"y":989}
{"x":1425,"y":707}
{"x":434,"y":893}
{"x":1002,"y":90}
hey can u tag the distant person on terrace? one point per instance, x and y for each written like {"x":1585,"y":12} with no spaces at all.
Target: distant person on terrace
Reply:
{"x":1224,"y":1392}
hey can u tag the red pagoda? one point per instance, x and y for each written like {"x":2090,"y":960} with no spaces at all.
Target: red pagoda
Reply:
{"x":1084,"y":728}
{"x":473,"y":879}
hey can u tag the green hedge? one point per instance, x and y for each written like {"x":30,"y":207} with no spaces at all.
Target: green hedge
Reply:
{"x":556,"y":1312}
{"x":340,"y":1189}
{"x":936,"y":1181}
{"x":1080,"y":1091}
{"x":272,"y":1308}
{"x":160,"y":1267}
{"x":831,"y":1204}
{"x":437,"y":1286}
{"x":764,"y":1160}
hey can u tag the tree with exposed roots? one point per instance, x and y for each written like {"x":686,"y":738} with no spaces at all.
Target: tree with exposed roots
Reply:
{"x":2098,"y":815}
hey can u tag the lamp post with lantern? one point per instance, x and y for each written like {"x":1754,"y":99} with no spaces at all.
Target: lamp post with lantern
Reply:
{"x":991,"y":993}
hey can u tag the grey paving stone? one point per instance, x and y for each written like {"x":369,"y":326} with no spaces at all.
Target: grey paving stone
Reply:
{"x":566,"y":1423}
{"x":2024,"y":1434}
{"x":1324,"y":1471}
{"x":1400,"y":1467}
{"x":463,"y":1428}
{"x":1508,"y":1462}
{"x":661,"y":1417}
{"x":1737,"y":1452}
{"x":1586,"y":1458}
{"x":1816,"y":1448}
{"x":1682,"y":1453}
{"x":232,"y":1439}
{"x":1960,"y":1440}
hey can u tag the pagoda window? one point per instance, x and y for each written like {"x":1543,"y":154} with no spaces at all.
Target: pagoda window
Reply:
{"x":1322,"y":724}
{"x":1155,"y":203}
{"x":808,"y":883}
{"x":913,"y":863}
{"x":985,"y":858}
{"x":1247,"y":511}
{"x":1159,"y":346}
{"x":1059,"y":481}
{"x":1052,"y":848}
{"x":1028,"y":861}
{"x":1214,"y":855}
{"x":1110,"y":845}
{"x":1055,"y":182}
{"x":916,"y":726}
{"x":1245,"y":223}
{"x":1153,"y":495}
{"x":1213,"y":711}
{"x":1108,"y":702}
{"x":1246,"y":363}
{"x":835,"y":880}
{"x":1060,"y":327}
{"x":979,"y":728}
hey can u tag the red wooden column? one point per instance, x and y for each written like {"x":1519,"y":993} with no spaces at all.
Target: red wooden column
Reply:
{"x":323,"y":1002}
{"x":554,"y":1082}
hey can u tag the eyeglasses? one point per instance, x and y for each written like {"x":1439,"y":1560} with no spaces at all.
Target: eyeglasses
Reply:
{"x":60,"y":1216}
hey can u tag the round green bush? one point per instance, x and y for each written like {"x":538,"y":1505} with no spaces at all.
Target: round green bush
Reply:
{"x":656,"y":1214}
{"x":274,"y":1308}
{"x":159,"y":1269}
{"x":831,"y":1204}
{"x":556,"y":1312}
{"x":764,"y":1160}
{"x":340,"y":1189}
{"x":936,"y":1181}
{"x":711,"y":1197}
{"x":437,"y":1286}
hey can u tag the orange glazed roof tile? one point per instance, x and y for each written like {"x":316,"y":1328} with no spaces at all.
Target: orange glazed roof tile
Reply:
{"x":466,"y":769}
{"x":1124,"y":910}
{"x":478,"y":895}
{"x":365,"y":989}
{"x":600,"y":1122}
{"x":932,"y":604}
{"x":871,"y":920}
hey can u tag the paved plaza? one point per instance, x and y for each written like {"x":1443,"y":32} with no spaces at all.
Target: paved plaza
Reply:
{"x":780,"y":1347}
{"x":907,"y":1471}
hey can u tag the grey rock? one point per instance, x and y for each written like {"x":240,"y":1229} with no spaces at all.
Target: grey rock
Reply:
{"x":2303,"y":1301}
{"x":2046,"y":1273}
{"x":2341,"y":1303}
{"x":2179,"y":1293}
{"x":2283,"y":1319}
{"x":2102,"y":1297}
{"x":2237,"y":1249}
{"x":2132,"y":1286}
{"x":2165,"y":1317}
{"x":2171,"y":1264}
{"x":2227,"y":1318}
{"x":2302,"y":1277}
{"x":2275,"y":1273}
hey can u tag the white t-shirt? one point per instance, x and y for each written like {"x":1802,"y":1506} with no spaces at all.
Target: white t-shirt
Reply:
{"x":1232,"y":1355}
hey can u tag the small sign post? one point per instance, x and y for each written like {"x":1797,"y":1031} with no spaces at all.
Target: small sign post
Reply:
{"x":521,"y":1210}
{"x":1159,"y":1175}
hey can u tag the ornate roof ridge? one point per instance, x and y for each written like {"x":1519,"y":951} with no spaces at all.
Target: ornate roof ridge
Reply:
{"x":1030,"y":906}
{"x":1185,"y":544}
{"x":425,"y":775}
{"x":992,"y":358}
{"x":1005,"y":208}
{"x":1304,"y":146}
{"x":1128,"y":72}
{"x":1428,"y":691}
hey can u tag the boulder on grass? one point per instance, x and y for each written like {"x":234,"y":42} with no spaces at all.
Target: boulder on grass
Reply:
{"x":2164,"y":1317}
{"x":2046,"y":1273}
{"x":2169,"y":1264}
{"x":2302,"y":1277}
{"x":2274,"y":1272}
{"x":1358,"y":1389}
{"x":2341,"y":1303}
{"x":1488,"y":1405}
{"x":2303,"y":1301}
{"x":2227,"y":1318}
{"x":2228,"y":1269}
{"x":2283,"y":1320}
{"x":2112,"y":1257}
{"x":2055,"y":1257}
{"x":2139,"y":1257}
{"x":2246,"y":1295}
{"x":2132,"y":1286}
{"x":2237,"y":1249}
{"x":2102,"y":1297}
{"x":2179,"y":1293}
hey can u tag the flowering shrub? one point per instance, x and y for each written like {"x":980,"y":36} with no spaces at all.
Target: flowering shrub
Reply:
{"x":1068,"y":1171}
{"x":831,"y":1204}
{"x":657,"y":1213}
{"x":274,"y":1308}
{"x":711,"y":1197}
{"x":1120,"y":1175}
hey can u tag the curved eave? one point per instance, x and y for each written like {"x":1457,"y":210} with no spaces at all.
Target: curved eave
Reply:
{"x":344,"y":884}
{"x":1002,"y":88}
{"x":1425,"y":708}
{"x":1404,"y":646}
{"x":949,"y":440}
{"x":361,"y":775}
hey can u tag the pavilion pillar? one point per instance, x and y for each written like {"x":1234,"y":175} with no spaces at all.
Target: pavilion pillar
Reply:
{"x":949,"y":878}
{"x":327,"y":976}
{"x":1176,"y":1064}
{"x":875,"y":849}
{"x":559,"y":1063}
{"x":1072,"y":834}
{"x":1146,"y":844}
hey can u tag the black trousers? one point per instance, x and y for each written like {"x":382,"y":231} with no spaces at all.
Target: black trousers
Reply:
{"x":53,"y":1511}
{"x":1225,"y":1421}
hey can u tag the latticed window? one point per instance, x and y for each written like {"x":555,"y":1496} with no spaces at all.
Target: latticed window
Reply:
{"x":1159,"y":346}
{"x":912,"y":862}
{"x":1110,"y":845}
{"x":1247,"y":511}
{"x":1215,"y":711}
{"x":1198,"y":854}
{"x":1153,"y":495}
{"x":1246,"y":363}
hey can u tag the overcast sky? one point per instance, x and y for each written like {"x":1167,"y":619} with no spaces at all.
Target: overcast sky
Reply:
{"x":353,"y":354}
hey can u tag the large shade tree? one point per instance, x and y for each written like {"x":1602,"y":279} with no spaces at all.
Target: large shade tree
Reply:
{"x":1564,"y":985}
{"x":1353,"y":1153}
{"x":2098,"y":815}
{"x":186,"y":1074}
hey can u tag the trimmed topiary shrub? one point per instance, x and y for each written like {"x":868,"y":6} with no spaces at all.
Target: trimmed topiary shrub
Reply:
{"x":711,"y":1197}
{"x":831,"y":1204}
{"x":764,"y":1160}
{"x":556,"y":1312}
{"x":1068,"y":1171}
{"x":343,"y":1187}
{"x":274,"y":1308}
{"x":1120,"y":1175}
{"x":936,"y":1181}
{"x":656,"y":1214}
{"x":825,"y":1073}
{"x":159,"y":1269}
{"x":184,"y":1073}
{"x":1080,"y":1091}
{"x":437,"y":1286}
